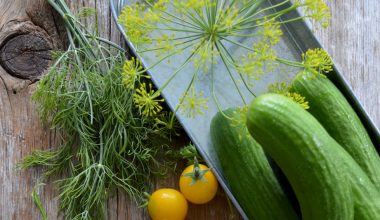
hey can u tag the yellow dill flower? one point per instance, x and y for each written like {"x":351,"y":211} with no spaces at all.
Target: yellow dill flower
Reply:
{"x":132,"y":72}
{"x":205,"y":55}
{"x":139,"y":21}
{"x":264,"y":51}
{"x":280,"y":88}
{"x":132,"y":18}
{"x":318,"y":11}
{"x":146,"y":99}
{"x":165,"y":43}
{"x":317,"y":61}
{"x":228,"y":19}
{"x":253,"y":64}
{"x":240,"y":116}
{"x":298,"y":99}
{"x":270,"y":31}
{"x":239,"y":121}
{"x":160,"y":5}
{"x":283,"y":89}
{"x":193,"y":103}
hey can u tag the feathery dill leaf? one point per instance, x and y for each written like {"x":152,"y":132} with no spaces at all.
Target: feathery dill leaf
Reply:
{"x":106,"y":142}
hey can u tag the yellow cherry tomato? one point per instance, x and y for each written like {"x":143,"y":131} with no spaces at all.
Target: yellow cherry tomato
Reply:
{"x":167,"y":204}
{"x":198,"y":189}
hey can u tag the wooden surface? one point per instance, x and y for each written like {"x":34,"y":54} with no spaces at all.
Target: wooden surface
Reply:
{"x":352,"y":40}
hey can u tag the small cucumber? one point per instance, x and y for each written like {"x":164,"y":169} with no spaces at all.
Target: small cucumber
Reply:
{"x":247,"y":170}
{"x":302,"y":149}
{"x":331,"y":109}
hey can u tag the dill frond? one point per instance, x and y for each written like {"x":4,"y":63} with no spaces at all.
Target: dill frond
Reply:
{"x":87,"y":95}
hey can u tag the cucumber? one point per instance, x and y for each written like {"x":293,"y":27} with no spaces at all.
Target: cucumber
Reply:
{"x":302,"y":148}
{"x":365,"y":194}
{"x":247,"y":170}
{"x":332,"y":110}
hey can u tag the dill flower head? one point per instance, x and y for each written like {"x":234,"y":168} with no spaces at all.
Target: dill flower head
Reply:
{"x":160,"y":5}
{"x":132,"y":72}
{"x":133,"y":20}
{"x":317,"y":61}
{"x":229,"y":19}
{"x":270,"y":31}
{"x":164,"y":42}
{"x":239,"y":121}
{"x":146,"y":99}
{"x":205,"y":55}
{"x":317,"y":10}
{"x":284,"y":89}
{"x":254,"y":63}
{"x":139,"y":21}
{"x":278,"y":87}
{"x":193,"y":104}
{"x":298,"y":99}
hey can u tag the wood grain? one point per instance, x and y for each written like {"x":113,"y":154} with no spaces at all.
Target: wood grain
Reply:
{"x":352,"y":40}
{"x":20,"y":129}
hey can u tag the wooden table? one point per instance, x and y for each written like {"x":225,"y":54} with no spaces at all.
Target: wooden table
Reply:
{"x":352,"y":40}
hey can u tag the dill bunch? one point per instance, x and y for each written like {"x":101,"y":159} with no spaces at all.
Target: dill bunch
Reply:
{"x":106,"y":142}
{"x":206,"y":33}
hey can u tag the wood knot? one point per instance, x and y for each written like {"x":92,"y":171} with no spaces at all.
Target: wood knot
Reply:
{"x":25,"y":55}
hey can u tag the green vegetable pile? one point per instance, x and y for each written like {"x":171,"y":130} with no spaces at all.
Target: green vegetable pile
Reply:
{"x":107,"y":142}
{"x":324,"y":152}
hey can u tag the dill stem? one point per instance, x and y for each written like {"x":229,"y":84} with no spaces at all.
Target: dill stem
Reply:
{"x":202,"y":24}
{"x":163,"y":58}
{"x":292,"y":20}
{"x":230,"y":74}
{"x":247,"y":19}
{"x":170,"y":14}
{"x":238,"y":44}
{"x":290,"y":63}
{"x":174,"y":74}
{"x":251,"y":11}
{"x":171,"y":122}
{"x":182,"y":24}
{"x":240,"y":74}
{"x":214,"y":95}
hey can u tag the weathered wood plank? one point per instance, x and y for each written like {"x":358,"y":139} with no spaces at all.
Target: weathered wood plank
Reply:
{"x":354,"y":44}
{"x":20,"y":128}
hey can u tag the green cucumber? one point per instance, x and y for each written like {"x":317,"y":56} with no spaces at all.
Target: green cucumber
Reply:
{"x":302,"y":149}
{"x":247,"y":170}
{"x":365,"y":194}
{"x":332,"y":110}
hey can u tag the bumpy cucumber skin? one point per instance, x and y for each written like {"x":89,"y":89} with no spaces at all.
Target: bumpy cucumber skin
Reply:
{"x":365,"y":194}
{"x":247,"y":171}
{"x":331,"y":109}
{"x":301,"y":147}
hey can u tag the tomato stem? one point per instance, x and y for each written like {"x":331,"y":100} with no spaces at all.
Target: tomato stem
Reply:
{"x":197,"y":173}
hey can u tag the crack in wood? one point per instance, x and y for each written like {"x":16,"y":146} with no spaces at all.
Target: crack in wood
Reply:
{"x":26,"y":55}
